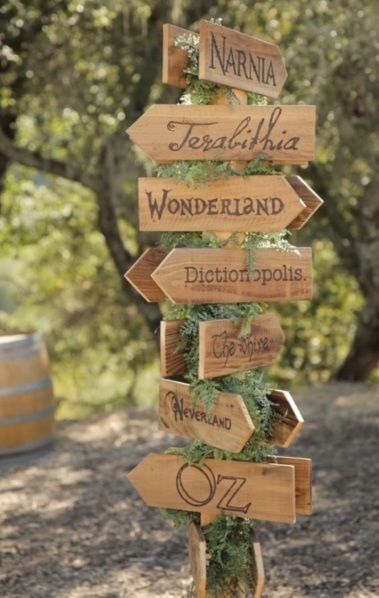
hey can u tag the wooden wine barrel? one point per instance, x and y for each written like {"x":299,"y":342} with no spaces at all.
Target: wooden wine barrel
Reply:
{"x":26,"y":394}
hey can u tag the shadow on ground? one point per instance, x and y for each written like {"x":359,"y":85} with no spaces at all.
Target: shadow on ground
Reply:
{"x":72,"y":526}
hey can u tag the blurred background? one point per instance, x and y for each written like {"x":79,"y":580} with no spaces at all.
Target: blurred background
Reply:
{"x":73,"y":76}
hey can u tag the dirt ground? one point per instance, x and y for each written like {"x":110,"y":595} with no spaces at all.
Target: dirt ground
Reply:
{"x":73,"y":527}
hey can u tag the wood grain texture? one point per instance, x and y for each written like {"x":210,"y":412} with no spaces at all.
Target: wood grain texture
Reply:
{"x":183,"y":132}
{"x":139,"y":275}
{"x":258,"y":570}
{"x":303,"y":482}
{"x":222,"y":349}
{"x":228,"y":426}
{"x":222,"y":275}
{"x":250,"y":204}
{"x":309,"y":197}
{"x":248,"y":490}
{"x":234,"y":59}
{"x":197,"y":557}
{"x":172,"y":357}
{"x":292,"y":421}
{"x":175,"y":60}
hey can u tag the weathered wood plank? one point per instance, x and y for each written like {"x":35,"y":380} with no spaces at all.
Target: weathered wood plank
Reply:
{"x":292,"y":421}
{"x":228,"y":426}
{"x":234,"y":59}
{"x":172,"y":357}
{"x":139,"y":275}
{"x":222,"y":349}
{"x":175,"y":60}
{"x":303,"y":488}
{"x":168,"y":133}
{"x":250,"y":204}
{"x":222,"y":275}
{"x":249,"y":490}
{"x":303,"y":482}
{"x":197,"y":556}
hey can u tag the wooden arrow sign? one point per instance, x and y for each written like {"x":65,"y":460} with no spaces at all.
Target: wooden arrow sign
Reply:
{"x":233,"y":59}
{"x":222,"y":275}
{"x":291,"y":421}
{"x":312,"y":201}
{"x":250,"y":204}
{"x":227,"y":427}
{"x":168,"y":133}
{"x":263,"y":491}
{"x":303,"y":487}
{"x":139,"y":275}
{"x":222,"y":349}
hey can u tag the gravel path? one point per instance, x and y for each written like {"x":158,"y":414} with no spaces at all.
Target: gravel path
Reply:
{"x":73,"y":527}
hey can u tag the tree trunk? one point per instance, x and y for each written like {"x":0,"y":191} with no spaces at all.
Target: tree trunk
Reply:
{"x":364,"y":353}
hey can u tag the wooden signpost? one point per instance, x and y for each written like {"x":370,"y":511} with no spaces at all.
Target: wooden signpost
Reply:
{"x":222,"y":348}
{"x":253,"y":204}
{"x":222,"y":275}
{"x":168,"y":133}
{"x":278,"y":488}
{"x":264,"y":491}
{"x":228,"y":426}
{"x":234,"y":59}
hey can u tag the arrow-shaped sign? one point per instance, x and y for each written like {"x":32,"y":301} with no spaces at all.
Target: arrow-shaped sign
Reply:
{"x":168,"y":133}
{"x":139,"y":275}
{"x":291,"y":421}
{"x":228,"y":426}
{"x":234,"y":59}
{"x":312,"y":201}
{"x":250,"y":204}
{"x":303,"y":487}
{"x":249,"y":490}
{"x":222,"y":348}
{"x":222,"y":275}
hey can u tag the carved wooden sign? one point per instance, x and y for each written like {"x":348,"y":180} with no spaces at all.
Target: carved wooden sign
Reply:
{"x":231,"y":58}
{"x":303,"y":487}
{"x":228,"y":426}
{"x":168,"y":133}
{"x":250,"y":204}
{"x":263,"y":491}
{"x":222,"y":349}
{"x":291,"y":421}
{"x":222,"y":275}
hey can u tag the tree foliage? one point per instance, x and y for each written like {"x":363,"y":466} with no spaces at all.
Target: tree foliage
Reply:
{"x":74,"y":74}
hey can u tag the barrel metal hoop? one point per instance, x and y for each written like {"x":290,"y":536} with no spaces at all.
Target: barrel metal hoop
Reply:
{"x":26,"y":447}
{"x":25,"y":388}
{"x":28,"y":417}
{"x":22,"y":342}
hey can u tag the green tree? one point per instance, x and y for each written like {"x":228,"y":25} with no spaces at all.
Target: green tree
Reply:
{"x":75,"y":74}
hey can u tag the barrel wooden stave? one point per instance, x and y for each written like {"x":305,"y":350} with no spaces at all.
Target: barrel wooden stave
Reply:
{"x":26,"y":394}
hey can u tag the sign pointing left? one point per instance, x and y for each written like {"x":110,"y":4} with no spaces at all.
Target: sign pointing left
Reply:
{"x":169,"y":133}
{"x":263,"y":491}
